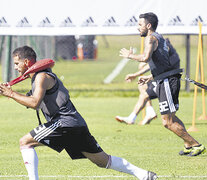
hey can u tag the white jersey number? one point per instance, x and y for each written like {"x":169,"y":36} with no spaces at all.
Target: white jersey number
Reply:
{"x":163,"y":106}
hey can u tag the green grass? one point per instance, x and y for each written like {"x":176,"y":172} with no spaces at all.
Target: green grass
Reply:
{"x":150,"y":147}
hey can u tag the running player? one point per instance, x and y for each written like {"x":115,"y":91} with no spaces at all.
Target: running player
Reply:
{"x":147,"y":91}
{"x":167,"y":79}
{"x":65,"y":127}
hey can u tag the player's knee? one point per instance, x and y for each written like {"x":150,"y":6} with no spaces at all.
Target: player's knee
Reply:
{"x":144,"y":96}
{"x":166,"y":123}
{"x":21,"y":142}
{"x":100,"y":159}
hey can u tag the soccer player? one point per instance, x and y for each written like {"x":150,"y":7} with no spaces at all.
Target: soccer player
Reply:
{"x":65,"y":127}
{"x":167,"y":80}
{"x":147,"y":91}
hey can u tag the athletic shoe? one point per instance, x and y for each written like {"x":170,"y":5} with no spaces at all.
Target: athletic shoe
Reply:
{"x":124,"y":120}
{"x":196,"y":150}
{"x":151,"y":176}
{"x":193,"y":151}
{"x":185,"y":151}
{"x":147,"y":119}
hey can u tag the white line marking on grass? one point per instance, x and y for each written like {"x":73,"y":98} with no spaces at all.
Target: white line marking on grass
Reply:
{"x":107,"y":176}
{"x":116,"y":71}
{"x":62,"y":176}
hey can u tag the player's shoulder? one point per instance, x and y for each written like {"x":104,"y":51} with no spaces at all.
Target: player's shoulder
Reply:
{"x":40,"y":74}
{"x":43,"y":76}
{"x":151,"y":39}
{"x":43,"y":79}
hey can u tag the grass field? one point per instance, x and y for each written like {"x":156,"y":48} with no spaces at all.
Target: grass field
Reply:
{"x":150,"y":147}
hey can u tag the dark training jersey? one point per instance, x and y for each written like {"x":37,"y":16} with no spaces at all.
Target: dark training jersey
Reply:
{"x":160,"y":62}
{"x":173,"y":55}
{"x":56,"y":105}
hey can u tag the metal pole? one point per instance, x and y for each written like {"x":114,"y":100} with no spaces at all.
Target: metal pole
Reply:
{"x":1,"y":47}
{"x":8,"y":58}
{"x":187,"y":84}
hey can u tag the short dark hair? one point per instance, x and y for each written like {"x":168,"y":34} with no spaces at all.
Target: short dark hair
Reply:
{"x":25,"y":52}
{"x":150,"y":18}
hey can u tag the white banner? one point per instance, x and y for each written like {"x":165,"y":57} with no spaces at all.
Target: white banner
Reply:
{"x":99,"y":17}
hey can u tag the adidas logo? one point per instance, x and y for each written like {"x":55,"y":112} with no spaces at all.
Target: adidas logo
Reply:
{"x":23,"y":23}
{"x":3,"y":22}
{"x":196,"y":20}
{"x":67,"y":23}
{"x":110,"y":22}
{"x":175,"y":21}
{"x":89,"y":22}
{"x":45,"y":23}
{"x":132,"y":22}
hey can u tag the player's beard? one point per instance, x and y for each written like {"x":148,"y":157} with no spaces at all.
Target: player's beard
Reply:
{"x":144,"y":34}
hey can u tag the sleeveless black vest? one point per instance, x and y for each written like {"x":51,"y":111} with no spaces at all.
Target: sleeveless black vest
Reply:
{"x":160,"y":62}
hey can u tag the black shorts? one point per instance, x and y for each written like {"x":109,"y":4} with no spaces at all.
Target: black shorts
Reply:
{"x":167,"y":91}
{"x":151,"y":89}
{"x":73,"y":139}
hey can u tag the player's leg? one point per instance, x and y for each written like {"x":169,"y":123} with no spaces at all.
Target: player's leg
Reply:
{"x":174,"y":124}
{"x":90,"y":149}
{"x":27,"y":144}
{"x":142,"y":100}
{"x":168,"y":102}
{"x":133,"y":115}
{"x":150,"y":112}
{"x":104,"y":160}
{"x":37,"y":137}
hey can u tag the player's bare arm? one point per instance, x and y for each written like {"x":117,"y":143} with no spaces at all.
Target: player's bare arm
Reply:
{"x":143,"y":70}
{"x":145,"y":79}
{"x":42,"y":83}
{"x":151,"y":44}
{"x":132,"y":76}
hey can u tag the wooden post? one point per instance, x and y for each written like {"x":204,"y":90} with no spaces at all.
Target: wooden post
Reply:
{"x":203,"y":116}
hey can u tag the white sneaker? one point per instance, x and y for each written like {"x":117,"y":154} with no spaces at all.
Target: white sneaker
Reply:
{"x":124,"y":120}
{"x":148,"y":118}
